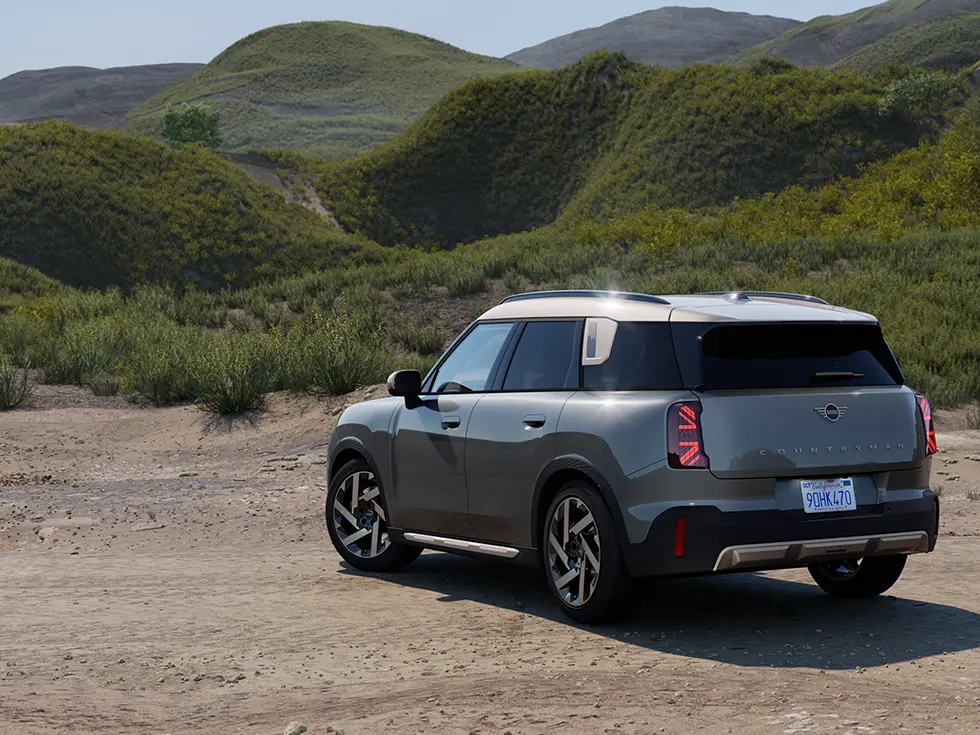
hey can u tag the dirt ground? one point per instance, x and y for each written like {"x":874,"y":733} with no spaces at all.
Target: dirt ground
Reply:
{"x":163,"y":573}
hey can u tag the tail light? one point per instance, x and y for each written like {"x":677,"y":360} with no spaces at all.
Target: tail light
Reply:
{"x":926,"y":411}
{"x":685,"y":447}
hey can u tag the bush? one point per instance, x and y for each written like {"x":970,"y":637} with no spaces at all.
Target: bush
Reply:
{"x":335,"y":357}
{"x":105,"y":385}
{"x":15,"y":386}
{"x":235,"y":372}
{"x":191,"y":123}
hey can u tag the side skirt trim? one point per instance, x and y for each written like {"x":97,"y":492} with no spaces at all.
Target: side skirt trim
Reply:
{"x":504,"y":552}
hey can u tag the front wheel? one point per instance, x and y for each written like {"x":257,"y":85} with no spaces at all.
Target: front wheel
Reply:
{"x":583,"y":560}
{"x":357,"y":521}
{"x":859,"y":577}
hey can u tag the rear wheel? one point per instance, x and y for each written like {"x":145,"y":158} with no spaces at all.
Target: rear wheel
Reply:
{"x":583,"y":560}
{"x":859,"y":577}
{"x":357,"y":521}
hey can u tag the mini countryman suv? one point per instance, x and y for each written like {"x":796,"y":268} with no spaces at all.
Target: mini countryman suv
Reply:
{"x":606,"y":436}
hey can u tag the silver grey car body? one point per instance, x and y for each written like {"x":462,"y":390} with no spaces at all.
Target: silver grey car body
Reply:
{"x":475,"y":471}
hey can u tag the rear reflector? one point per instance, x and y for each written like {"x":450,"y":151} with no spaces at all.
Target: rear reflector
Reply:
{"x":925,"y":410}
{"x":685,"y":448}
{"x":679,"y":530}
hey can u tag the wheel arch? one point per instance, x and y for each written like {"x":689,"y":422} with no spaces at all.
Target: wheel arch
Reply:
{"x":346,"y":451}
{"x":556,"y":475}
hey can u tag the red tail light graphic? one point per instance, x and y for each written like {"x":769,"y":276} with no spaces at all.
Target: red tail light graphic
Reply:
{"x":685,"y":447}
{"x":926,"y":410}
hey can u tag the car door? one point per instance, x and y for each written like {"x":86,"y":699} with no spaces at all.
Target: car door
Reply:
{"x":511,"y":436}
{"x":428,"y":447}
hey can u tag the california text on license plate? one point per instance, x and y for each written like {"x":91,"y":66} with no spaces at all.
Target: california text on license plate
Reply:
{"x":828,"y":496}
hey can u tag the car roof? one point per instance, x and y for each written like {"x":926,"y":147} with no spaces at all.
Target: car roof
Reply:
{"x":749,"y":306}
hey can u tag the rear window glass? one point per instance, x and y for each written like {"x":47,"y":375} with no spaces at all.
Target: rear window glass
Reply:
{"x":787,"y":356}
{"x":545,"y":358}
{"x":642,"y":358}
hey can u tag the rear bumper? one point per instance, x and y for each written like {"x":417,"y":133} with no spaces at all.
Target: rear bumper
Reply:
{"x":715,"y":541}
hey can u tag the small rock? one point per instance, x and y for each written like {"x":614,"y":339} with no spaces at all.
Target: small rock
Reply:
{"x":121,"y":661}
{"x":240,"y":677}
{"x":295,"y":728}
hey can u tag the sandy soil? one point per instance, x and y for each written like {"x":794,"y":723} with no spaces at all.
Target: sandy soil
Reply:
{"x":163,"y":573}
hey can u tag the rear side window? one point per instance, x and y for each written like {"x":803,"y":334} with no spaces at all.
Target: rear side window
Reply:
{"x":738,"y":357}
{"x":546,"y":358}
{"x":642,"y":358}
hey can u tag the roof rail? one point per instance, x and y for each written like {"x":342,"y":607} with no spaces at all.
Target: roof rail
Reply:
{"x":589,"y":294}
{"x":745,"y":295}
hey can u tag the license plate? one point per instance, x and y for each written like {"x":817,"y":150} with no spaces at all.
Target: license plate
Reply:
{"x":828,"y":496}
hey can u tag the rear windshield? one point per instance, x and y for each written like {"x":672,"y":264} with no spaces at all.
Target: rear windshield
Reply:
{"x":746,"y":356}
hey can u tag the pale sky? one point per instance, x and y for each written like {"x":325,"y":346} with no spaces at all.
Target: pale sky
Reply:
{"x":105,"y":33}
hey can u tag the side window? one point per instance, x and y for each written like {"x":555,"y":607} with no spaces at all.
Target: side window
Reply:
{"x":642,"y":358}
{"x":546,"y":358}
{"x":468,"y":368}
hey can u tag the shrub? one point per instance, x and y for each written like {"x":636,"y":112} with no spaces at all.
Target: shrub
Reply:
{"x":419,"y":337}
{"x":15,"y":386}
{"x":191,"y":123}
{"x":235,"y":372}
{"x":335,"y":357}
{"x":104,"y":385}
{"x":160,"y":366}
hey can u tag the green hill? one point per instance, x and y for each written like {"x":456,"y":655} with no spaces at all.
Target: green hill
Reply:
{"x":829,"y":39}
{"x":949,"y":44}
{"x":326,"y":87}
{"x":607,"y":136}
{"x":104,"y":208}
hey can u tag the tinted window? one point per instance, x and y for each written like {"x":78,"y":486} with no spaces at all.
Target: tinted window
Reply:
{"x":546,"y":358}
{"x":642,"y":358}
{"x":792,"y":356}
{"x":470,"y":365}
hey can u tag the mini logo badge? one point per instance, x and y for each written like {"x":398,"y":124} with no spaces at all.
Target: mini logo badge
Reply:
{"x":831,"y":412}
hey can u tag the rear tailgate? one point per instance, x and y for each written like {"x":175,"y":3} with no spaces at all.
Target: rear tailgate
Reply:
{"x":787,"y":433}
{"x":798,"y":400}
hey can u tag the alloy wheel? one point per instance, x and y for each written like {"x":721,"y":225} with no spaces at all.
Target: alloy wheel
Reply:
{"x":841,"y":570}
{"x":358,"y":518}
{"x":574,"y":551}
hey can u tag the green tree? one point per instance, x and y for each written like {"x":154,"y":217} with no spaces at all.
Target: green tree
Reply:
{"x":199,"y":123}
{"x":922,"y":97}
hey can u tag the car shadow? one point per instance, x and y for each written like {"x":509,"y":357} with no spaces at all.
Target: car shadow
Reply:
{"x":743,"y":619}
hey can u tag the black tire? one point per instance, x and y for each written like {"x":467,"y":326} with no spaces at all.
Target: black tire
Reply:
{"x":386,"y":555}
{"x":606,"y":600}
{"x":859,"y":578}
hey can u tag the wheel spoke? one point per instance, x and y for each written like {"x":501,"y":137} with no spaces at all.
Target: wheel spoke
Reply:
{"x":355,"y":490}
{"x":592,"y":558}
{"x":375,"y":532}
{"x":581,"y":581}
{"x":345,"y":513}
{"x":558,"y":549}
{"x":582,"y":525}
{"x":565,"y":508}
{"x":371,"y":494}
{"x":563,"y":581}
{"x":379,"y":511}
{"x":356,"y":536}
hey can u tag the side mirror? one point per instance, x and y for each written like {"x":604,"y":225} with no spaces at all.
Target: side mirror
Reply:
{"x":407,"y":383}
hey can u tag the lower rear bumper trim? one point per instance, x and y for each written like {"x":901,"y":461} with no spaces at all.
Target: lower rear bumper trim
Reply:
{"x":812,"y":551}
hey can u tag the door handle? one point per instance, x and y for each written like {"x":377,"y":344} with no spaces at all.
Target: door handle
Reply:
{"x":450,"y":422}
{"x":534,"y":421}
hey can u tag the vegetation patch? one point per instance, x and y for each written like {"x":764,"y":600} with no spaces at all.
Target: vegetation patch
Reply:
{"x":326,"y":87}
{"x":607,"y":136}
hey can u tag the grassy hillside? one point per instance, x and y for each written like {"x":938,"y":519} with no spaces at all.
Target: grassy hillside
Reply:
{"x":604,"y":136}
{"x":902,"y":240}
{"x":95,"y":98}
{"x":103,"y":208}
{"x":949,"y":44}
{"x":829,"y":39}
{"x":330,"y":87}
{"x":667,"y":36}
